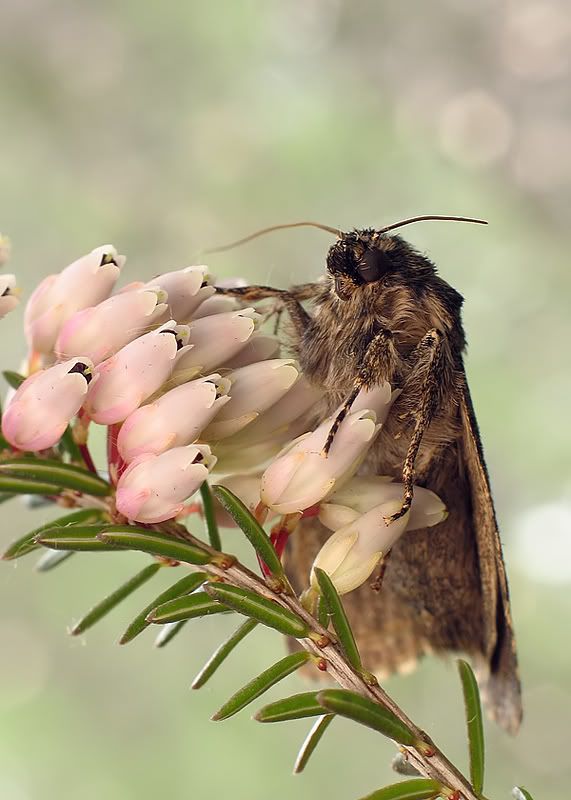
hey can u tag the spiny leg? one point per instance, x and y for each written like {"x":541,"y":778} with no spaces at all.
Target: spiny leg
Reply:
{"x":379,"y":363}
{"x":429,"y":361}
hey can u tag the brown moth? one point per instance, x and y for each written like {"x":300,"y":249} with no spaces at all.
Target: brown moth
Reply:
{"x":382,"y":313}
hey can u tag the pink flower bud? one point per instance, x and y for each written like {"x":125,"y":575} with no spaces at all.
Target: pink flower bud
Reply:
{"x":351,"y":554}
{"x":217,"y":304}
{"x":362,"y":493}
{"x":154,"y":488}
{"x":139,"y":369}
{"x":259,"y":347}
{"x":253,"y":389}
{"x":84,"y":283}
{"x":43,"y":405}
{"x":100,"y":331}
{"x":303,"y":475}
{"x":215,"y":339}
{"x":177,"y":418}
{"x":186,"y":288}
{"x":8,"y":294}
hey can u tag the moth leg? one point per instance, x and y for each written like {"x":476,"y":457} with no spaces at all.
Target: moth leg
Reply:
{"x":429,"y":361}
{"x":380,"y":360}
{"x":303,"y":291}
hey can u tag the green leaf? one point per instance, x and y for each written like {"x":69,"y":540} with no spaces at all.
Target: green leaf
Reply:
{"x":414,"y":789}
{"x":519,"y":793}
{"x":261,"y":684}
{"x":322,"y":613}
{"x":112,"y":600}
{"x":338,"y":618}
{"x":184,"y":586}
{"x":259,"y":608}
{"x":58,"y":474}
{"x":254,"y":532}
{"x":222,"y":653}
{"x":364,"y":711}
{"x":194,"y":605}
{"x":76,"y":537}
{"x":153,"y":542}
{"x":210,"y":516}
{"x":474,"y":724}
{"x":297,"y":706}
{"x":52,"y":559}
{"x":168,"y":632}
{"x":312,"y":740}
{"x":13,"y":379}
{"x":27,"y":543}
{"x":16,"y":485}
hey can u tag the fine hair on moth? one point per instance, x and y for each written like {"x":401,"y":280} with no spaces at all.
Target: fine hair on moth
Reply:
{"x":382,"y":313}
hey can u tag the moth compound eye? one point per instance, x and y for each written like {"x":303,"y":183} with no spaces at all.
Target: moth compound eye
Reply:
{"x":373,"y":265}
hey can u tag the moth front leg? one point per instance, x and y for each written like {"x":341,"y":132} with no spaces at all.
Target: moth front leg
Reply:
{"x":429,"y":368}
{"x":379,"y":363}
{"x":288,"y":299}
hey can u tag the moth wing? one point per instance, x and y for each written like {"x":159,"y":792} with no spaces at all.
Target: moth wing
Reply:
{"x":500,"y":679}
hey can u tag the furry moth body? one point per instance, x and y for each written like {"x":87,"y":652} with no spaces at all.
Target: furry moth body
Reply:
{"x":382,"y":313}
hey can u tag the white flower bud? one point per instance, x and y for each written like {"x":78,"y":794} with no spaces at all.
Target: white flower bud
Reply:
{"x":43,"y":405}
{"x":154,"y":488}
{"x":217,"y":304}
{"x":177,"y":418}
{"x":259,"y":347}
{"x":186,"y":288}
{"x":132,"y":375}
{"x":100,"y":331}
{"x":9,"y":294}
{"x":351,"y":554}
{"x":253,"y":389}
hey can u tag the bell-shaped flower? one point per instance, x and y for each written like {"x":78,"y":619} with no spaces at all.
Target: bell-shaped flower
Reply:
{"x":217,"y":304}
{"x":351,"y":554}
{"x":154,"y":488}
{"x":363,"y":493}
{"x":84,"y":283}
{"x":132,"y":375}
{"x":177,"y":418}
{"x":100,"y":331}
{"x":9,"y":294}
{"x":253,"y":389}
{"x":304,"y":474}
{"x":259,"y":347}
{"x":186,"y":288}
{"x":43,"y":405}
{"x":215,"y":339}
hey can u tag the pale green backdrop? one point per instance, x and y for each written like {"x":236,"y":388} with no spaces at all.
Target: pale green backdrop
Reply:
{"x":167,"y":127}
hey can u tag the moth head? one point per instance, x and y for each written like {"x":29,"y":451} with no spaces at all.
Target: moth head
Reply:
{"x":364,"y":258}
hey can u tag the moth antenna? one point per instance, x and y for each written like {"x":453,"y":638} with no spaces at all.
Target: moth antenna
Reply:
{"x":432,"y":216}
{"x":263,"y":231}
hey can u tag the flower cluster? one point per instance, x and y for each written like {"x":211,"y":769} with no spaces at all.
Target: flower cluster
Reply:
{"x":186,"y":383}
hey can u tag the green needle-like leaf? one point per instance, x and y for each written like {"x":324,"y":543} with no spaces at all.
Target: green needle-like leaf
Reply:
{"x":222,"y":653}
{"x":13,"y":379}
{"x":259,"y":608}
{"x":251,"y":527}
{"x":415,"y":789}
{"x":17,"y":485}
{"x":261,"y":684}
{"x":194,"y":605}
{"x":297,"y":706}
{"x":339,"y":618}
{"x":322,"y":613}
{"x":75,"y":537}
{"x":210,"y":517}
{"x":364,"y":711}
{"x":153,"y":542}
{"x":519,"y":793}
{"x":474,"y":724}
{"x":27,"y":543}
{"x":168,"y":632}
{"x":52,"y":559}
{"x":65,"y":476}
{"x":311,"y":741}
{"x":184,"y":586}
{"x":112,"y":600}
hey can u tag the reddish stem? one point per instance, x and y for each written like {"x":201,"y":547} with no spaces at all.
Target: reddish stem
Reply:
{"x":114,"y":461}
{"x":86,"y":455}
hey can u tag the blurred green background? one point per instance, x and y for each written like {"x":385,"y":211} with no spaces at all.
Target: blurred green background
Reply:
{"x":164,"y":128}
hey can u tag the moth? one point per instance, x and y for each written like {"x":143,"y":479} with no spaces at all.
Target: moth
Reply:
{"x":382,"y":313}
